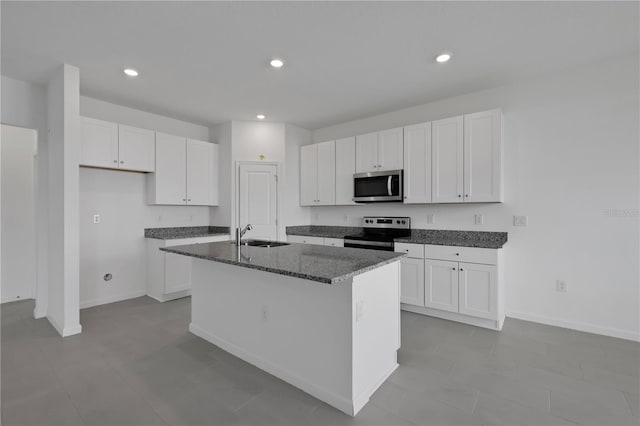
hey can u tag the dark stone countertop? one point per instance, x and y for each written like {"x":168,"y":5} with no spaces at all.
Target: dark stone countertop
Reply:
{"x":323,"y":231}
{"x":185,"y":232}
{"x":323,"y":264}
{"x":440,"y":237}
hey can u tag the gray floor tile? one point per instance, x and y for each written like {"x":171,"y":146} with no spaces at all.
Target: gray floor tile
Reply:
{"x":417,"y":408}
{"x":136,"y":363}
{"x":50,"y":408}
{"x":506,"y":387}
{"x":633,"y":402}
{"x":494,"y":410}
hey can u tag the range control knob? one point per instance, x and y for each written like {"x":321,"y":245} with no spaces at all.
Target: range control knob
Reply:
{"x":398,"y":222}
{"x":404,"y":221}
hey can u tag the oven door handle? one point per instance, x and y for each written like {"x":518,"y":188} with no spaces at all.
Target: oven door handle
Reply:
{"x":389,"y":185}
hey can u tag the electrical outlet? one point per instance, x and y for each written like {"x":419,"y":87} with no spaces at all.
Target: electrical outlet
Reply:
{"x":345,"y":218}
{"x":430,"y":218}
{"x":96,"y":218}
{"x":265,"y":313}
{"x":359,"y":310}
{"x":520,"y":220}
{"x":316,"y":216}
{"x":479,"y":218}
{"x":561,"y":286}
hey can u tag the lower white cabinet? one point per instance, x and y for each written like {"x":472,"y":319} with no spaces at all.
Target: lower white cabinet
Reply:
{"x":441,"y":285}
{"x":168,"y":274}
{"x":303,"y":239}
{"x":447,"y":282}
{"x":412,"y":281}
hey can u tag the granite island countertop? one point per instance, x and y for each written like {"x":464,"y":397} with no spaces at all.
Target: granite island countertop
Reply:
{"x":185,"y":232}
{"x":441,"y":237}
{"x":323,"y":264}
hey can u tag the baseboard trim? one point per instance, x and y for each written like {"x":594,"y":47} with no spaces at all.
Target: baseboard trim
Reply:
{"x":65,"y":331}
{"x":337,"y":401}
{"x":579,"y":326}
{"x":112,"y":299}
{"x":454,"y":316}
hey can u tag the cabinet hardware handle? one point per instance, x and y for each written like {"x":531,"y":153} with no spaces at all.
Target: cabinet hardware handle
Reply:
{"x":453,"y":269}
{"x":189,"y":199}
{"x":457,"y":254}
{"x":115,"y":161}
{"x":405,"y":197}
{"x":466,"y":195}
{"x":184,"y":199}
{"x":459,"y":195}
{"x":461,"y":269}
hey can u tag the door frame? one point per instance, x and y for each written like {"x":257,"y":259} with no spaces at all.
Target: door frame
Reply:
{"x":236,"y":193}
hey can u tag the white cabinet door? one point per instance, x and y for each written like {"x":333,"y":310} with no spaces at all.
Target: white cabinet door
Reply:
{"x":441,"y":285}
{"x":200,"y":173}
{"x":417,"y":163}
{"x":367,"y":153}
{"x":99,"y":143}
{"x":412,"y":281}
{"x":478,"y":290}
{"x":483,"y":156}
{"x":326,"y":170}
{"x":136,"y":149}
{"x":345,"y":168}
{"x":447,"y":160}
{"x":170,"y":183}
{"x":308,"y":175}
{"x":177,"y":272}
{"x":390,"y":155}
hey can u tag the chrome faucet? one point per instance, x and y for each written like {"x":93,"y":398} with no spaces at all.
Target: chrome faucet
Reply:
{"x":241,"y":231}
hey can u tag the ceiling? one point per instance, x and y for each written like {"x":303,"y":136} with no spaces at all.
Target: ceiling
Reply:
{"x":208,"y":62}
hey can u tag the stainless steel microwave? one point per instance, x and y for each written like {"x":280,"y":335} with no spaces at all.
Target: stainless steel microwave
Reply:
{"x":378,"y":187}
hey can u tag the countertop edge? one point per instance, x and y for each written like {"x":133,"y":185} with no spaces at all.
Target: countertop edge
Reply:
{"x":322,"y":280}
{"x":184,"y":237}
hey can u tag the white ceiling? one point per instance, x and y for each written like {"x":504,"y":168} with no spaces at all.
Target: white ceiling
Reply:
{"x":207,"y":62}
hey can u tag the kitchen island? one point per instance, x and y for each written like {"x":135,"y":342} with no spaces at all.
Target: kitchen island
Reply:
{"x":324,"y":319}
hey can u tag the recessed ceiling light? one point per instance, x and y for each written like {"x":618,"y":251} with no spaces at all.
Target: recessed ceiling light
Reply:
{"x":443,"y":57}
{"x":260,"y":117}
{"x":277,"y":63}
{"x":131,"y":72}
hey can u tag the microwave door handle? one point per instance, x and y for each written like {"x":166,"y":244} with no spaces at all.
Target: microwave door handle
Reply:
{"x":389,"y":186}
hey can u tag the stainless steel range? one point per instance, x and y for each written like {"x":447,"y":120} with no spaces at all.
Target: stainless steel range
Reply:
{"x":379,"y":233}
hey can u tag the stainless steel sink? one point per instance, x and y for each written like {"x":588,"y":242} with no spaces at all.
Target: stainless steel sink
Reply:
{"x":262,"y":243}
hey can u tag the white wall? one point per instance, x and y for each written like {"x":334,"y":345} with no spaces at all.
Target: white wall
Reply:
{"x":571,"y":165}
{"x":19,"y":261}
{"x":117,"y":244}
{"x":63,"y":120}
{"x":221,"y":215}
{"x":292,"y":213}
{"x":25,"y":105}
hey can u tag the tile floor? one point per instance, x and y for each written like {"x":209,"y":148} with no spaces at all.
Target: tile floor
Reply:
{"x":136,"y":364}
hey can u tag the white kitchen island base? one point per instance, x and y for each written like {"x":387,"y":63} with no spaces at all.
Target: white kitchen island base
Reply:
{"x":337,"y":342}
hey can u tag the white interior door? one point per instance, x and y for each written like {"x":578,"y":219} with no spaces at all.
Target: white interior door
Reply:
{"x":18,"y":259}
{"x":259,"y":200}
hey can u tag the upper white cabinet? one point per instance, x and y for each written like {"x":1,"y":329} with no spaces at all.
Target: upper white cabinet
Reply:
{"x":99,"y":143}
{"x":116,"y":146}
{"x":136,"y":148}
{"x":417,"y":163}
{"x":345,"y":168}
{"x":447,"y":160}
{"x":467,"y":158}
{"x":483,"y":156}
{"x":379,"y":151}
{"x":390,"y":155}
{"x":202,"y":173}
{"x":186,"y":172}
{"x":367,"y":153}
{"x":318,"y":174}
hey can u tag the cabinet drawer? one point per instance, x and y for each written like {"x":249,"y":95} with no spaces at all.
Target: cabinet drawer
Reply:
{"x":334,"y":242}
{"x":305,"y":239}
{"x":413,"y":250}
{"x":462,"y":254}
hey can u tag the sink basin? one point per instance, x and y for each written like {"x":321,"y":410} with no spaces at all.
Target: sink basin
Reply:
{"x":262,"y":243}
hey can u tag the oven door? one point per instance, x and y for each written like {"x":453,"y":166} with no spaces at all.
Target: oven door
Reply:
{"x":374,"y":187}
{"x":372,"y":245}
